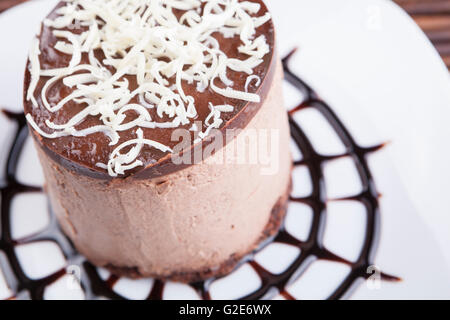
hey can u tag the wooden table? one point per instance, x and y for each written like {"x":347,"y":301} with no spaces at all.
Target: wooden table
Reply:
{"x":433,"y":16}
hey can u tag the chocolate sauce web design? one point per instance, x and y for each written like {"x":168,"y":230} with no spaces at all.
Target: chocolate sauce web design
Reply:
{"x":311,"y":250}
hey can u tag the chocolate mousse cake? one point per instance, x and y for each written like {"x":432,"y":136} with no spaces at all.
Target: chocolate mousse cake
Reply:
{"x":140,"y":111}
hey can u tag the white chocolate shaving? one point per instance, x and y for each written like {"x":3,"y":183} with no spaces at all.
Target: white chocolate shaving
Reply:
{"x":213,"y":120}
{"x":34,"y":71}
{"x":119,"y":163}
{"x":250,"y":79}
{"x":145,"y":39}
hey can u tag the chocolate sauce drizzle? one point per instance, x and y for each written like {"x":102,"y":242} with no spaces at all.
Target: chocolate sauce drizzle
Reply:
{"x":311,"y":250}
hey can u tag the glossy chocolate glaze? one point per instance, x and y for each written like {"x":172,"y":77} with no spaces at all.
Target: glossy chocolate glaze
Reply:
{"x":311,"y":250}
{"x":81,"y":154}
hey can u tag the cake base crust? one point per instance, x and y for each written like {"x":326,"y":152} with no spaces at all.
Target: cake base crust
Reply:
{"x":273,"y":226}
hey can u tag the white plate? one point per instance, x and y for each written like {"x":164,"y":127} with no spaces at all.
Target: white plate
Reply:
{"x":383,"y":78}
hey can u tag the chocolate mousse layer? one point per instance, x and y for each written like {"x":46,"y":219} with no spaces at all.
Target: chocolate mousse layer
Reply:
{"x":276,"y":218}
{"x":113,"y":178}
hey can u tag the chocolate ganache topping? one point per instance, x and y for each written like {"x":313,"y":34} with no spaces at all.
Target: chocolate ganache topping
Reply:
{"x":108,"y":82}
